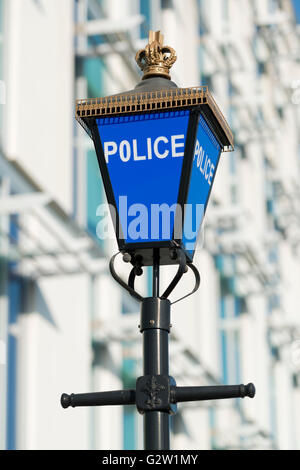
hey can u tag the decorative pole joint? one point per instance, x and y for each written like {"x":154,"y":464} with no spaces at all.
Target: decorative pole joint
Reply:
{"x":154,"y":393}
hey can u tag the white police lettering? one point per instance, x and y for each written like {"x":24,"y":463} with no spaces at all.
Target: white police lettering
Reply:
{"x":161,"y":147}
{"x":149,"y":148}
{"x":110,"y":148}
{"x":155,"y":147}
{"x":205,"y":165}
{"x":176,"y":144}
{"x":211,"y":174}
{"x":124,"y":156}
{"x":135,"y":152}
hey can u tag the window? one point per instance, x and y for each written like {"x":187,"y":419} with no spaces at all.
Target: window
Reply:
{"x":203,"y":29}
{"x":231,"y":306}
{"x":207,"y":80}
{"x":273,"y":398}
{"x":230,"y":342}
{"x":95,"y":192}
{"x":87,"y":185}
{"x":1,"y":37}
{"x":213,"y":427}
{"x":145,"y":10}
{"x":93,"y":71}
{"x":15,"y":294}
{"x":166,"y":4}
{"x":90,"y":69}
{"x":231,"y":88}
{"x":129,"y":416}
{"x":15,"y":298}
{"x":233,"y":194}
{"x":241,"y":151}
{"x":225,"y":14}
{"x":232,"y":163}
{"x":296,"y":5}
{"x":2,"y":83}
{"x":296,"y":380}
{"x":274,"y":5}
{"x":261,"y":68}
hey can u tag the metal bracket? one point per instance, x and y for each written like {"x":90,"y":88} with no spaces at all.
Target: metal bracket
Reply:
{"x":197,"y":283}
{"x":122,"y":283}
{"x":137,"y":270}
{"x":180,"y":272}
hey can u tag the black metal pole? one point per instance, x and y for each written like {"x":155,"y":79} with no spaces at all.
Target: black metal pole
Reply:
{"x":155,"y":274}
{"x":156,"y":394}
{"x":155,"y":326}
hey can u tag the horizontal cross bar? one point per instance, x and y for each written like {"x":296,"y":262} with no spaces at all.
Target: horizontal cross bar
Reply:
{"x":116,"y":397}
{"x":182,"y":394}
{"x":177,"y":395}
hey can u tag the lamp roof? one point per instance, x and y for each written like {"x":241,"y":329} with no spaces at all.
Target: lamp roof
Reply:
{"x":155,"y":93}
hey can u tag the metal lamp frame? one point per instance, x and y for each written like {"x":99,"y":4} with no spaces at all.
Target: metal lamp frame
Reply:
{"x":144,"y":249}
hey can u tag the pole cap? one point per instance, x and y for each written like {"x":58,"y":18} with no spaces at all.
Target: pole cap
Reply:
{"x":65,"y":400}
{"x":247,"y":390}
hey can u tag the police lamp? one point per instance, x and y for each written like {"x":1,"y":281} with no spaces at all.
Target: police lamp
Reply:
{"x":158,"y":148}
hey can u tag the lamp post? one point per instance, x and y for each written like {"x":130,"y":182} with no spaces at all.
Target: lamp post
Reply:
{"x":158,"y":148}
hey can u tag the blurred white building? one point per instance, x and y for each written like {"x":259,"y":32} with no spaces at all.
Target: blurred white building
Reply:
{"x":65,"y":325}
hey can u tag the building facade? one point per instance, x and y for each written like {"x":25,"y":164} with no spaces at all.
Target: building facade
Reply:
{"x":65,"y":326}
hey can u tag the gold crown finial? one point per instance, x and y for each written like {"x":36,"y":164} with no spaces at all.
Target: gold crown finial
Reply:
{"x":156,"y":59}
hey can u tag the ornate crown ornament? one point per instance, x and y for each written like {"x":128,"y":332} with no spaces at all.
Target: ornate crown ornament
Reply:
{"x":156,"y":59}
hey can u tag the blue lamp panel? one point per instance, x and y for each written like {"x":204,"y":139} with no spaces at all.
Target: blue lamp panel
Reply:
{"x":205,"y":162}
{"x":144,"y":156}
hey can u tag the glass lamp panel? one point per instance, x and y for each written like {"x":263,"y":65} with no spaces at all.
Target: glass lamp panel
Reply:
{"x":206,"y":158}
{"x":144,"y":157}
